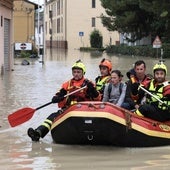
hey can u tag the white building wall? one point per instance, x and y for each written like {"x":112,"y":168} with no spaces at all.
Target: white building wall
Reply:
{"x":77,"y":17}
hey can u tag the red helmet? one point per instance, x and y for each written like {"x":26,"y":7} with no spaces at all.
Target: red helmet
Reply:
{"x":107,"y":63}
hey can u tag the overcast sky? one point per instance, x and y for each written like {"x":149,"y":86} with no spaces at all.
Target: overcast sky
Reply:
{"x":37,"y":1}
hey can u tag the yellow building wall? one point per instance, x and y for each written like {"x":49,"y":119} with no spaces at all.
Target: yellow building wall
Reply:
{"x":24,"y":29}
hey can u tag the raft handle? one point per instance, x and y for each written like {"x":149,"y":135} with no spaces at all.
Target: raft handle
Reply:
{"x":90,"y":137}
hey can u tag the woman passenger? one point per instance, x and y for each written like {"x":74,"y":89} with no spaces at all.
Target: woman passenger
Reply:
{"x":115,"y":90}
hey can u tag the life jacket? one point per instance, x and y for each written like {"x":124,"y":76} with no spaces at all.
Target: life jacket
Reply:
{"x":71,"y":86}
{"x":100,"y":82}
{"x":160,"y":92}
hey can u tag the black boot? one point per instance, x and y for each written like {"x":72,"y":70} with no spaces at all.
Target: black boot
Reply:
{"x":33,"y":134}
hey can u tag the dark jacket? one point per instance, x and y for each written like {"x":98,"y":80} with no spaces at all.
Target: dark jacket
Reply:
{"x":130,"y":97}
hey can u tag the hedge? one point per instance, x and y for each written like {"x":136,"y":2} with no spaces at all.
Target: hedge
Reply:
{"x":147,"y":51}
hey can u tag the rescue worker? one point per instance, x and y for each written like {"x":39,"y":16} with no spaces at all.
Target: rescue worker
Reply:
{"x":160,"y":88}
{"x":105,"y":67}
{"x":136,"y":76}
{"x":86,"y":94}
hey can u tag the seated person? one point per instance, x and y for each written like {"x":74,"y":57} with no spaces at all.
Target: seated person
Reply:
{"x":136,"y":76}
{"x":77,"y":81}
{"x":114,"y":91}
{"x":157,"y":105}
{"x":105,"y":67}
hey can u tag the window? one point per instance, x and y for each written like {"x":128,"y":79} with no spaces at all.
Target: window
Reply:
{"x":1,"y":21}
{"x":61,"y":24}
{"x":45,"y":27}
{"x":93,"y":22}
{"x":58,"y":25}
{"x":61,"y":4}
{"x":58,"y":7}
{"x":50,"y":14}
{"x":93,"y":3}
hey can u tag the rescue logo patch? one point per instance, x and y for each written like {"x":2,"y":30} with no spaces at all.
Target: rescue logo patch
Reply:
{"x":164,"y":127}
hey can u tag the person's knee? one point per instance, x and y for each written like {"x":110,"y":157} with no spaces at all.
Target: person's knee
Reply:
{"x":53,"y":116}
{"x":144,"y":109}
{"x":125,"y":106}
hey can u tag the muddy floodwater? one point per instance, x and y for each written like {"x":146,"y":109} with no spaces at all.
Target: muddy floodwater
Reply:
{"x":34,"y":85}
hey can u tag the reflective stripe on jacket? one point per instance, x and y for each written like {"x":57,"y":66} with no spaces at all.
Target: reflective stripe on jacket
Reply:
{"x":100,"y":82}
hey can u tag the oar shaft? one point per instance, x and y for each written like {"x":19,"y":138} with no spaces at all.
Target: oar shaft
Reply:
{"x":25,"y":114}
{"x":43,"y":105}
{"x":75,"y":91}
{"x":151,"y":94}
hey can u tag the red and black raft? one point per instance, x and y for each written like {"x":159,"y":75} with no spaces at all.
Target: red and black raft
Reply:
{"x":98,"y":123}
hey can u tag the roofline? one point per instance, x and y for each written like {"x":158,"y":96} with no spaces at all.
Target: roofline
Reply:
{"x":36,"y":5}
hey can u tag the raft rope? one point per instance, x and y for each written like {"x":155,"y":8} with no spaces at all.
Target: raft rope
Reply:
{"x":128,"y":120}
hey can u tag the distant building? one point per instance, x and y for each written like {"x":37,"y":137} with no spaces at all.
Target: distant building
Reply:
{"x":6,"y":35}
{"x":143,"y":41}
{"x":39,"y":27}
{"x":69,"y":23}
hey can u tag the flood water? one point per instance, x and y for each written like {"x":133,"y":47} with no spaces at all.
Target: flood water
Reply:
{"x":34,"y":85}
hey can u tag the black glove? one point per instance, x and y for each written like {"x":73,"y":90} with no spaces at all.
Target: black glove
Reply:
{"x":59,"y":96}
{"x":134,"y":88}
{"x":168,"y":108}
{"x":63,"y":92}
{"x":91,"y":90}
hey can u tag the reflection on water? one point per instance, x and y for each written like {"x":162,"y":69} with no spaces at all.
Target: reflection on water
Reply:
{"x":33,"y":86}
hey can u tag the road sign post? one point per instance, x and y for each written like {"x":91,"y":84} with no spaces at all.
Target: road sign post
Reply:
{"x":81,"y":34}
{"x":157,"y":44}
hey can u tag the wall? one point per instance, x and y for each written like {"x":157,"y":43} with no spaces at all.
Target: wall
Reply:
{"x":6,"y":13}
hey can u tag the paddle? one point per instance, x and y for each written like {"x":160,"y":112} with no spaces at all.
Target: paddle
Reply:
{"x":140,"y":87}
{"x":22,"y":115}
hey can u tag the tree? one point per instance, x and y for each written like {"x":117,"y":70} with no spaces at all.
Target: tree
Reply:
{"x":139,"y":18}
{"x":96,"y":39}
{"x":160,"y":24}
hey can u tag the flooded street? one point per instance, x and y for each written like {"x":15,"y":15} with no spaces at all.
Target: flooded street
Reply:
{"x":34,"y":85}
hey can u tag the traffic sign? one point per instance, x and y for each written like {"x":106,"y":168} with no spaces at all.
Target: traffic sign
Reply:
{"x":157,"y":42}
{"x":81,"y":34}
{"x":23,"y":46}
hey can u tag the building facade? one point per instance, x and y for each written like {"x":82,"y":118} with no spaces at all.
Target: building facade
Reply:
{"x":6,"y":34}
{"x":39,"y":27}
{"x":69,"y":23}
{"x":24,"y":21}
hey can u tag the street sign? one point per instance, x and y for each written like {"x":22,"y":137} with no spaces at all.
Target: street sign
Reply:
{"x":157,"y":42}
{"x":81,"y":34}
{"x":23,"y":46}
